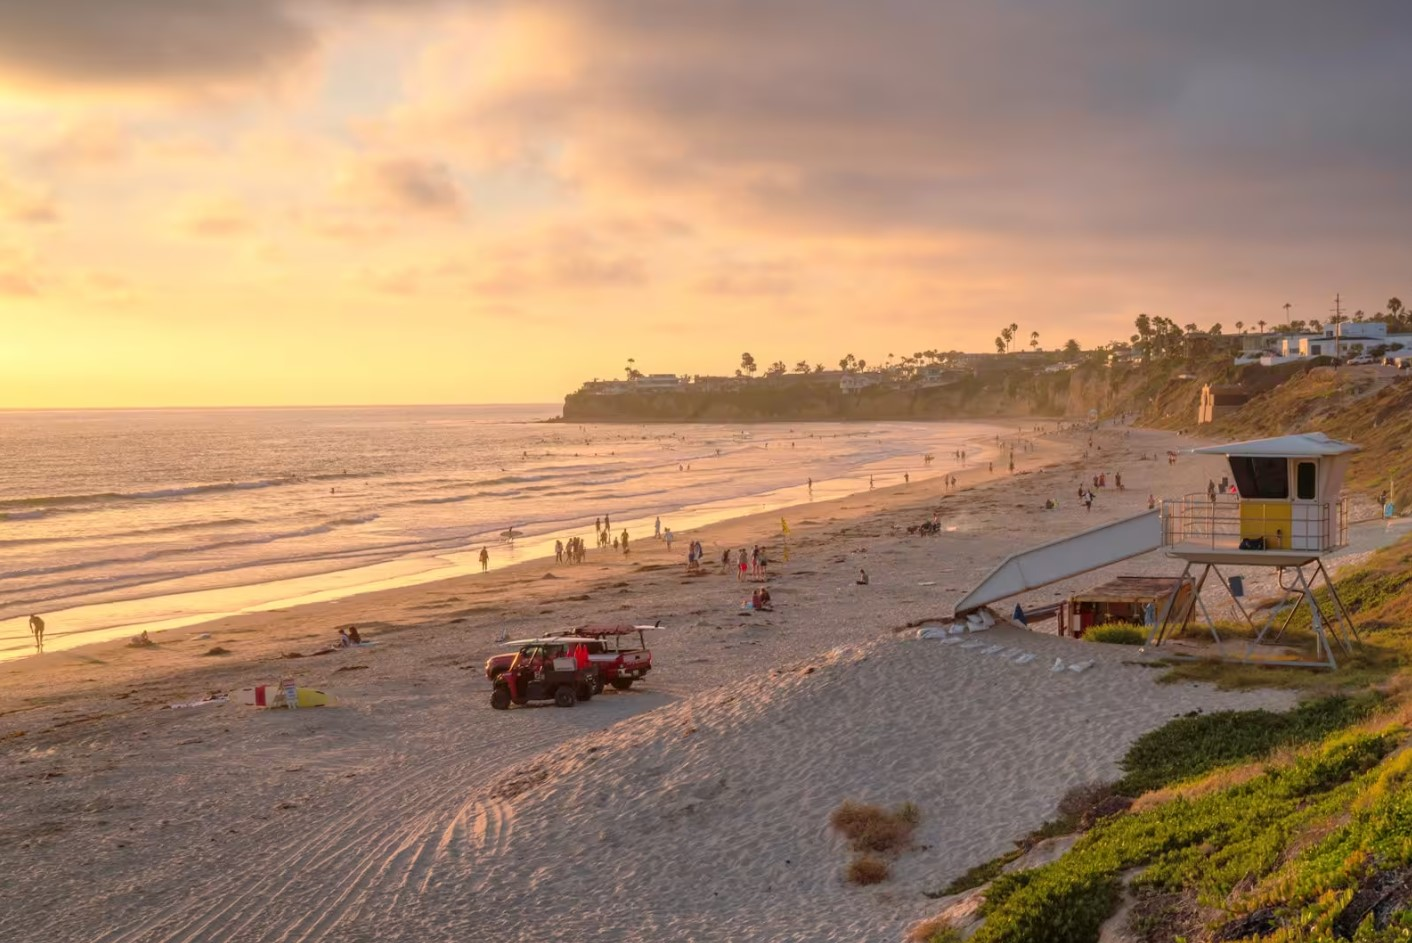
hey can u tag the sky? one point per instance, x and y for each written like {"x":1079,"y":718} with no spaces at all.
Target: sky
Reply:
{"x":249,"y":202}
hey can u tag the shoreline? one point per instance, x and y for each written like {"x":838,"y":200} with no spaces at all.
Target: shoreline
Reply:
{"x":122,"y":618}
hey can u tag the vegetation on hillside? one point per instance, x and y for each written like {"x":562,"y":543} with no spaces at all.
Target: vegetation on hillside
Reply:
{"x":1250,"y":825}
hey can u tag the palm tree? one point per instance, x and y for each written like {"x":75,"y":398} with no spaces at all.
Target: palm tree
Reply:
{"x":747,"y":363}
{"x":1287,"y":307}
{"x":1240,"y":327}
{"x":631,"y":369}
{"x":1261,"y":325}
{"x":846,"y":363}
{"x":1034,"y":340}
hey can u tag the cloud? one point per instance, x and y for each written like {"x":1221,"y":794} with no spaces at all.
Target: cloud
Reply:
{"x":19,"y":273}
{"x":87,"y":143}
{"x":411,"y":186}
{"x":215,"y":218}
{"x":1070,"y":120}
{"x":148,"y":42}
{"x":108,"y":287}
{"x":746,"y":278}
{"x":25,"y":204}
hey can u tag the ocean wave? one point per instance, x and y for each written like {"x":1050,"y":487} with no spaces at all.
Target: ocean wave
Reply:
{"x":51,"y":502}
{"x":143,"y":532}
{"x":185,"y":550}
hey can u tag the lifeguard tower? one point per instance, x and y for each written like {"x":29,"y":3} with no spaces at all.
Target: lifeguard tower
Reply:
{"x":1285,"y":512}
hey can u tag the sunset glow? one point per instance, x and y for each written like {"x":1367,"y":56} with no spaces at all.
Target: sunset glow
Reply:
{"x":280,"y":202}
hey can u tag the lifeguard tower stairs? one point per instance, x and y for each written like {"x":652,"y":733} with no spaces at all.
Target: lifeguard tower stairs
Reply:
{"x":1286,"y":512}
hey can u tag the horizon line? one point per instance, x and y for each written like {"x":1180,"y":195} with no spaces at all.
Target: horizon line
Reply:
{"x":93,"y":409}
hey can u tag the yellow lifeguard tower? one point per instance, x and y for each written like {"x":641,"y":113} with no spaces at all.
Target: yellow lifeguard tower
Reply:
{"x":1283,"y":510}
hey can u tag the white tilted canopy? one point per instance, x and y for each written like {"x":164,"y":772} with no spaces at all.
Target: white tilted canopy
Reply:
{"x":1303,"y":445}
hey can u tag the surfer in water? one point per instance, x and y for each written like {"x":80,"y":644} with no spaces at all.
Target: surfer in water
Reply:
{"x":36,"y":628}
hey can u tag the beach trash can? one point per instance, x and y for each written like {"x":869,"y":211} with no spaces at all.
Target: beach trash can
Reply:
{"x":1237,"y":585}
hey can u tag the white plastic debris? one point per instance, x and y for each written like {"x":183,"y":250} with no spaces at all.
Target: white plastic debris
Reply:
{"x":1058,"y":665}
{"x":1081,"y":665}
{"x":1024,"y":658}
{"x":932,"y":631}
{"x":991,"y":649}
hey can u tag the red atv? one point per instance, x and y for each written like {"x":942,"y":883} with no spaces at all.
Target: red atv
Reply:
{"x":542,"y":670}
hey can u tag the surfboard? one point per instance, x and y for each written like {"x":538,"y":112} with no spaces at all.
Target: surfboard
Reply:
{"x":272,"y":695}
{"x":511,"y":534}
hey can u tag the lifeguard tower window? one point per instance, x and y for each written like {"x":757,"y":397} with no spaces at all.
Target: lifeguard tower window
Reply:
{"x":1261,"y":476}
{"x":1304,"y":482}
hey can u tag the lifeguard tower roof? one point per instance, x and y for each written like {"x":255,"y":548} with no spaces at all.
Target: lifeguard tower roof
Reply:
{"x":1303,"y":445}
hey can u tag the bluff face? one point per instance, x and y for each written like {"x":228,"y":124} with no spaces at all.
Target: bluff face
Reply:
{"x":970,"y":398}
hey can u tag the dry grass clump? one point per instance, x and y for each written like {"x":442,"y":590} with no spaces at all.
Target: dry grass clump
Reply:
{"x":872,"y":830}
{"x":867,"y":869}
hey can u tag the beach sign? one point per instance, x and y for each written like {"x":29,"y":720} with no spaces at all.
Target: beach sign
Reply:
{"x":291,"y":693}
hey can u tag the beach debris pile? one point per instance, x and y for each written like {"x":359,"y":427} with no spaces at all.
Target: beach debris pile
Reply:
{"x":956,"y":632}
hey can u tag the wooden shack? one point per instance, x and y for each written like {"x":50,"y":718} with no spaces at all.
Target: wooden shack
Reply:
{"x":1125,"y":599}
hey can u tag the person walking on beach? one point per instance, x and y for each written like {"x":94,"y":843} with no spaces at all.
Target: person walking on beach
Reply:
{"x":36,"y":628}
{"x":667,"y":536}
{"x":625,"y":540}
{"x":742,"y":563}
{"x":558,"y":551}
{"x":484,"y":559}
{"x":657,"y":529}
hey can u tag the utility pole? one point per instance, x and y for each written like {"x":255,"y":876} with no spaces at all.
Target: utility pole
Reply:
{"x":1338,"y":326}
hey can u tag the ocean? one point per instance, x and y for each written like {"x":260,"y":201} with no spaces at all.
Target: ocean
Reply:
{"x":117,"y":519}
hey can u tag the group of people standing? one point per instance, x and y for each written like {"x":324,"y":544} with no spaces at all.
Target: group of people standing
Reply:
{"x":575,"y":551}
{"x":752,"y":562}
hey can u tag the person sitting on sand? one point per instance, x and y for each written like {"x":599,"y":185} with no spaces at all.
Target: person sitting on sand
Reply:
{"x":343,"y":640}
{"x":755,"y":600}
{"x":764,"y":600}
{"x":353,"y":637}
{"x":862,"y":577}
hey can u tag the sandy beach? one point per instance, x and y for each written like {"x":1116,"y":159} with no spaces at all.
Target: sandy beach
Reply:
{"x":693,"y":808}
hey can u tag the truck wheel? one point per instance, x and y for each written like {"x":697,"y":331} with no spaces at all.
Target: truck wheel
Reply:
{"x":565,"y":696}
{"x":500,"y":698}
{"x":622,"y":684}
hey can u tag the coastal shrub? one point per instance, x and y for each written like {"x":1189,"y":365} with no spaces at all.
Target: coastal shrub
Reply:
{"x":867,"y":869}
{"x":1191,"y":746}
{"x":1117,"y":633}
{"x":978,"y":875}
{"x":1218,"y":845}
{"x":871,"y":828}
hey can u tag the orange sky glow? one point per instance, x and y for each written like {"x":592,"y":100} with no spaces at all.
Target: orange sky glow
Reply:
{"x":361,"y":201}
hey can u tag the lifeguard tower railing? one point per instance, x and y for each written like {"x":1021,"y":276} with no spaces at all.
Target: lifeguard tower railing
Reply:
{"x":1228,"y":522}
